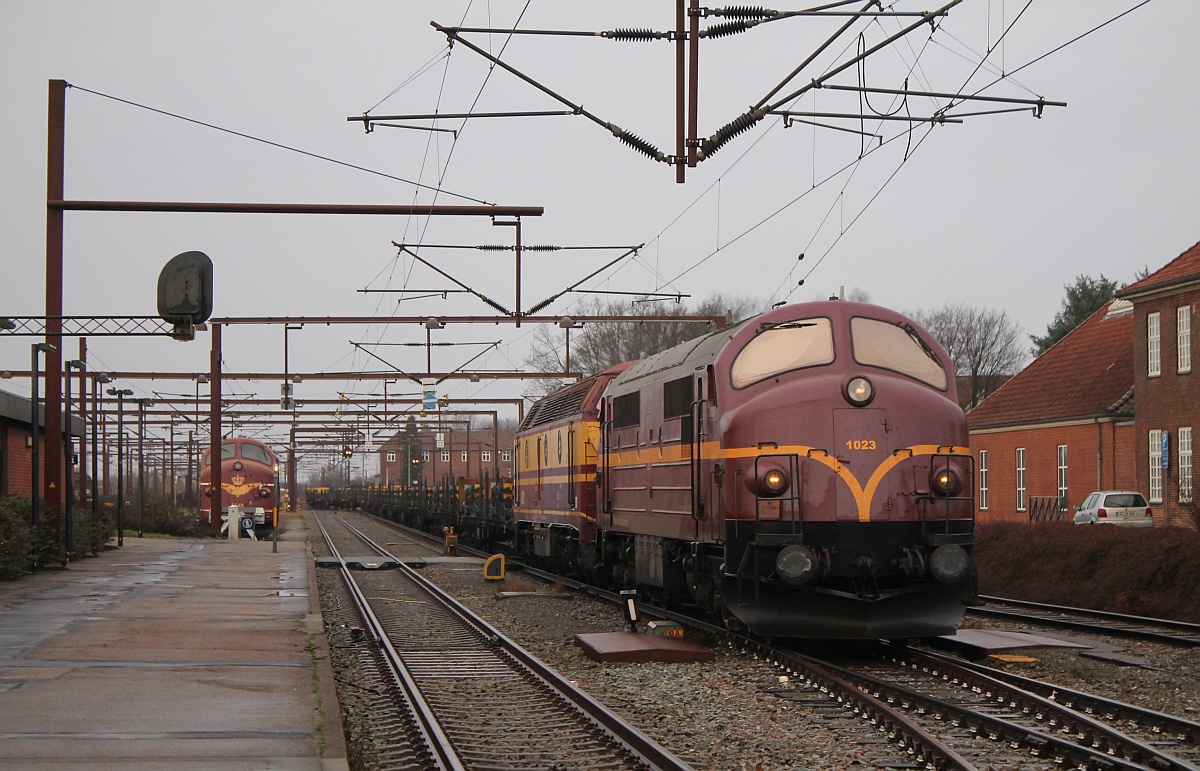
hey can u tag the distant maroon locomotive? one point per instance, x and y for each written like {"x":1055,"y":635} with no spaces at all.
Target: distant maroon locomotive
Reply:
{"x":248,"y":480}
{"x":805,"y":472}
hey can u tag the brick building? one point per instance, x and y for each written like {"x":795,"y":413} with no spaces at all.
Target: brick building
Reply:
{"x":435,"y":455}
{"x":1062,"y":427}
{"x":1168,"y":391}
{"x":16,"y":444}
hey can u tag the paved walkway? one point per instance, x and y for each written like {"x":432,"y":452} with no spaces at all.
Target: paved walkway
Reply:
{"x":171,"y":654}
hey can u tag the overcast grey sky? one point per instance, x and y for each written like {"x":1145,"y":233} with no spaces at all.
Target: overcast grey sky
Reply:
{"x":998,"y":211}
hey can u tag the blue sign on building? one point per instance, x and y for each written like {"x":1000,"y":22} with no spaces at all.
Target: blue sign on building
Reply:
{"x":1166,"y":451}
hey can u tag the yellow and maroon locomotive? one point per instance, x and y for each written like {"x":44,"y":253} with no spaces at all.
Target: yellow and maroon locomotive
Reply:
{"x":249,"y":472}
{"x":805,"y":473}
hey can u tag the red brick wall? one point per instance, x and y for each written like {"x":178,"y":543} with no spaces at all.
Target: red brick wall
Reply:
{"x":1085,"y":472}
{"x":1168,"y":401}
{"x":18,"y":461}
{"x":1124,"y":472}
{"x":17,"y":474}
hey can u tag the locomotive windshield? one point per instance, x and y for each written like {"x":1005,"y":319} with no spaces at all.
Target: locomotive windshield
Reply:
{"x":254,"y":452}
{"x":788,"y":346}
{"x":885,"y":344}
{"x":228,"y":450}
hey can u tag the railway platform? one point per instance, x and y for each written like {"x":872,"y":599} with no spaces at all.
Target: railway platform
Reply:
{"x":170,"y":654}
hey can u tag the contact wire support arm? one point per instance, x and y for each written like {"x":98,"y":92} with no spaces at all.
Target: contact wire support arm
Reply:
{"x":601,"y":269}
{"x":443,"y":273}
{"x":634,"y":141}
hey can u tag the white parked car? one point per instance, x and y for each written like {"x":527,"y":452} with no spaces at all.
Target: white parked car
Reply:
{"x":1114,"y":507}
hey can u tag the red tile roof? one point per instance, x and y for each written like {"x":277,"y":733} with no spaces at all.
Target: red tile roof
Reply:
{"x":1086,"y":374}
{"x":1185,"y":267}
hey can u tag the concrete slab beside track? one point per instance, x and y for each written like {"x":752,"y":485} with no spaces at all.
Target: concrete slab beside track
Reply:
{"x":170,"y":654}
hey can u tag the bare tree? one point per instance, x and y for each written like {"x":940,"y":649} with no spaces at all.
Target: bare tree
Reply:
{"x":985,"y":345}
{"x":599,"y":345}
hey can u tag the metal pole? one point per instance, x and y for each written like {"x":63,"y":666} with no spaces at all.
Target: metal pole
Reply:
{"x":120,"y":394}
{"x":34,"y":423}
{"x":68,"y":445}
{"x":55,"y":143}
{"x":171,"y":464}
{"x":191,"y":460}
{"x":693,"y":82}
{"x":141,"y":464}
{"x":680,"y":78}
{"x":96,"y":413}
{"x":214,"y":428}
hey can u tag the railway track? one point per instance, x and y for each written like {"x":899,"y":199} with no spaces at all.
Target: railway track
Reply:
{"x":937,"y":712}
{"x":1167,"y":733}
{"x":473,"y":699}
{"x":999,"y":723}
{"x":1092,"y":621}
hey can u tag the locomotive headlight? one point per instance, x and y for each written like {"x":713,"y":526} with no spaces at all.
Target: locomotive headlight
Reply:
{"x":945,"y":481}
{"x":775,"y":482}
{"x":859,"y":391}
{"x":768,"y":482}
{"x":237,"y":465}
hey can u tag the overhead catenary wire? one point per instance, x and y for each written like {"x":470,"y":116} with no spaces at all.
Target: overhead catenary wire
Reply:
{"x":278,"y":145}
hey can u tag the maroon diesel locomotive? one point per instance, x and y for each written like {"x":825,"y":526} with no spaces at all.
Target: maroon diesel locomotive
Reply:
{"x":804,"y":472}
{"x":249,"y":472}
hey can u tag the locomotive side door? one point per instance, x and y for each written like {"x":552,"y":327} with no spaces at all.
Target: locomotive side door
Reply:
{"x":861,"y":443}
{"x":603,"y":494}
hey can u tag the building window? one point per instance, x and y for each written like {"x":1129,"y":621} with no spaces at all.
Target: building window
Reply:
{"x":445,"y":456}
{"x":1183,"y":338}
{"x":983,"y":481}
{"x":1185,"y":464}
{"x":485,"y":456}
{"x":1062,"y":471}
{"x":1156,"y":494}
{"x":1153,"y":362}
{"x":1020,"y":479}
{"x":425,"y":456}
{"x":506,"y":456}
{"x":391,"y":457}
{"x":464,"y":456}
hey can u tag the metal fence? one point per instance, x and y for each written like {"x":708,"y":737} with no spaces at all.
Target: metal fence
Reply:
{"x":1047,"y":508}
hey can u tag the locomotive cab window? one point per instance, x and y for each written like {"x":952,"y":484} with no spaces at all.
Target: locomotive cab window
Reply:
{"x":255,"y":453}
{"x":788,"y":346}
{"x":228,"y":450}
{"x":884,"y":344}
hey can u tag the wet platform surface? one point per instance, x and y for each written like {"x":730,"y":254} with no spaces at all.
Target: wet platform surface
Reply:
{"x":174,"y":654}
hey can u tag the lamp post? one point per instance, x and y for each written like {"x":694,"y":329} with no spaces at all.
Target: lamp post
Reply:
{"x":120,"y":393}
{"x":35,"y":430}
{"x":142,"y":404}
{"x":98,"y":379}
{"x":68,"y":518}
{"x":200,"y":379}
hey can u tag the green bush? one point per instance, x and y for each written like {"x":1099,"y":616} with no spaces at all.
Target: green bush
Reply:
{"x":16,"y":537}
{"x":90,"y":535}
{"x":161,"y":517}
